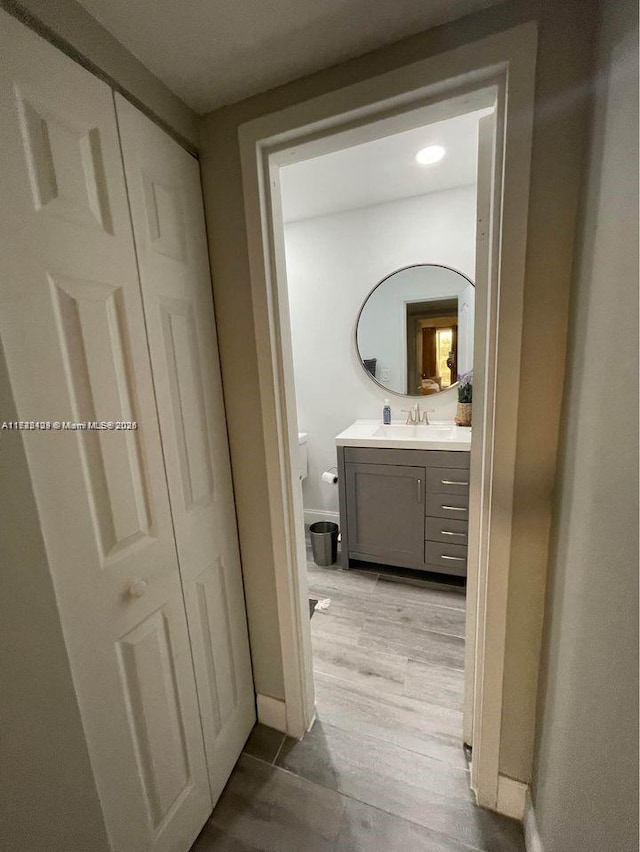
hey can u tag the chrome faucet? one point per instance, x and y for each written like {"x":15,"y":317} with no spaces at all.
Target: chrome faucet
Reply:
{"x":415,"y":416}
{"x":410,"y":416}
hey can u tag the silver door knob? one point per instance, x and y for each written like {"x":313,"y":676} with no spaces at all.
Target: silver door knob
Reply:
{"x":137,"y":588}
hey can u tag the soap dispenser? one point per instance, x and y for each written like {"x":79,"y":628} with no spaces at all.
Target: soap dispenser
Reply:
{"x":386,"y":413}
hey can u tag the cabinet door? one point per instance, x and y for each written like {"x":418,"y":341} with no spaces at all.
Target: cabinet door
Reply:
{"x":385,"y":513}
{"x":168,"y":219}
{"x":73,"y":334}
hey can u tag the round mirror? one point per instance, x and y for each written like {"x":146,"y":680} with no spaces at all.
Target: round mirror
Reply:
{"x":414,"y":333}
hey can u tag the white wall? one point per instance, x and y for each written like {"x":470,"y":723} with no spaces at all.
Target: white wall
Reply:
{"x":332,"y":264}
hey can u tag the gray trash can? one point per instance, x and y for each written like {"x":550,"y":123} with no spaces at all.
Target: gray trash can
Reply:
{"x":324,"y":542}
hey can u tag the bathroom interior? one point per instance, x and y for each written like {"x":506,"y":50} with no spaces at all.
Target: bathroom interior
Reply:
{"x":380,"y":242}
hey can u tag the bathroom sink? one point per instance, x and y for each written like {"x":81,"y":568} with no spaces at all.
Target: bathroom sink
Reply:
{"x":433,"y":436}
{"x":402,"y":432}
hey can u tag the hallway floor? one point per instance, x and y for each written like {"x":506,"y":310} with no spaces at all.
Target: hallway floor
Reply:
{"x":383,"y":767}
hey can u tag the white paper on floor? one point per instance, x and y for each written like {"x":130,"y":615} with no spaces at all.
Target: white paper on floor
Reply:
{"x":322,"y":605}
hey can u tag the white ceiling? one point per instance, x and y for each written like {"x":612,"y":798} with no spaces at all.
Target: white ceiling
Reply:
{"x":382,"y":170}
{"x":215,"y":52}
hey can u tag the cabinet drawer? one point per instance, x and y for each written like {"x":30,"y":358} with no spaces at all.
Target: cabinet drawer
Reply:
{"x":412,"y":458}
{"x":447,"y":480}
{"x":454,"y":506}
{"x":446,"y":531}
{"x":451,"y":558}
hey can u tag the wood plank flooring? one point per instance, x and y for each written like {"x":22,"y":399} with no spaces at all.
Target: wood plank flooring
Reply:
{"x":383,"y":767}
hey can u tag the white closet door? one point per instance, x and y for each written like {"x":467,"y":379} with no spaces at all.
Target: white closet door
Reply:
{"x":73,"y":332}
{"x":168,"y":218}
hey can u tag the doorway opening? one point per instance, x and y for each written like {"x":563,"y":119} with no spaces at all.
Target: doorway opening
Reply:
{"x":432,"y":344}
{"x":380,"y":254}
{"x":471,"y":79}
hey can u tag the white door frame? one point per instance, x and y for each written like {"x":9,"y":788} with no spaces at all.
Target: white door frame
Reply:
{"x":505,"y":64}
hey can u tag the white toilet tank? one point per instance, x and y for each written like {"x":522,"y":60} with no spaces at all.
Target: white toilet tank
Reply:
{"x":303,"y":457}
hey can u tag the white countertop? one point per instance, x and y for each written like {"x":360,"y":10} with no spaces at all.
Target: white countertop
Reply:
{"x":440,"y":435}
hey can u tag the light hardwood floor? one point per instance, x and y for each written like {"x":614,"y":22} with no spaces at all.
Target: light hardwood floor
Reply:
{"x":383,"y":768}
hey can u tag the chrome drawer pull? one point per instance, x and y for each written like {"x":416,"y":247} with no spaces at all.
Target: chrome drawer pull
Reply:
{"x":454,"y":508}
{"x":419,"y":490}
{"x":451,"y":482}
{"x":446,"y":532}
{"x":453,"y":558}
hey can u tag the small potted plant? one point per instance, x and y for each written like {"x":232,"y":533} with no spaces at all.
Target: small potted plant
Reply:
{"x":465,"y":398}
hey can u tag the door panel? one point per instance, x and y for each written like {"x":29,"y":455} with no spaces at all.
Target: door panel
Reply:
{"x":168,"y":217}
{"x":90,"y":322}
{"x":73,"y":333}
{"x":213,"y":615}
{"x":385,"y":513}
{"x":64,"y":155}
{"x":185,"y":382}
{"x":149,"y":684}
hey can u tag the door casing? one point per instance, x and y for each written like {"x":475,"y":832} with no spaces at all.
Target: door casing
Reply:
{"x":498,"y":70}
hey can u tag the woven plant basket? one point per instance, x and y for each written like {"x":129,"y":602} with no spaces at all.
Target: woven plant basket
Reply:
{"x":463,"y":414}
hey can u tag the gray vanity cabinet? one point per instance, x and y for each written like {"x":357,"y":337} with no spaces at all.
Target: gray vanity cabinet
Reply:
{"x":406,"y":508}
{"x":385,"y":513}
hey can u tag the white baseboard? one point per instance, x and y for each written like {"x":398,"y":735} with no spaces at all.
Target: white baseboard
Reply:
{"x":512,"y":797}
{"x":313,"y":515}
{"x":532,"y":839}
{"x":272,"y":712}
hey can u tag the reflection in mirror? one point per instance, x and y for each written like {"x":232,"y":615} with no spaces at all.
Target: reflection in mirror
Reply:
{"x":415,"y":330}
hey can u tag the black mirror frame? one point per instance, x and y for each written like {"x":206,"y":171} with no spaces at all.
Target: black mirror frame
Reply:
{"x":368,"y":373}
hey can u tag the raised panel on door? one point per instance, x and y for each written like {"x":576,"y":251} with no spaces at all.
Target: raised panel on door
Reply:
{"x":73,"y":333}
{"x":147,"y":668}
{"x":385,"y":513}
{"x":168,"y":217}
{"x":94,"y":347}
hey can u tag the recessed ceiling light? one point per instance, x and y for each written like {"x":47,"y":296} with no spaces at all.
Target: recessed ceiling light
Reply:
{"x":430,"y":155}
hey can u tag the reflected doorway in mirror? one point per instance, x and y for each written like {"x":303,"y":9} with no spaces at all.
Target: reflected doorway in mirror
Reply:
{"x":414,"y":332}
